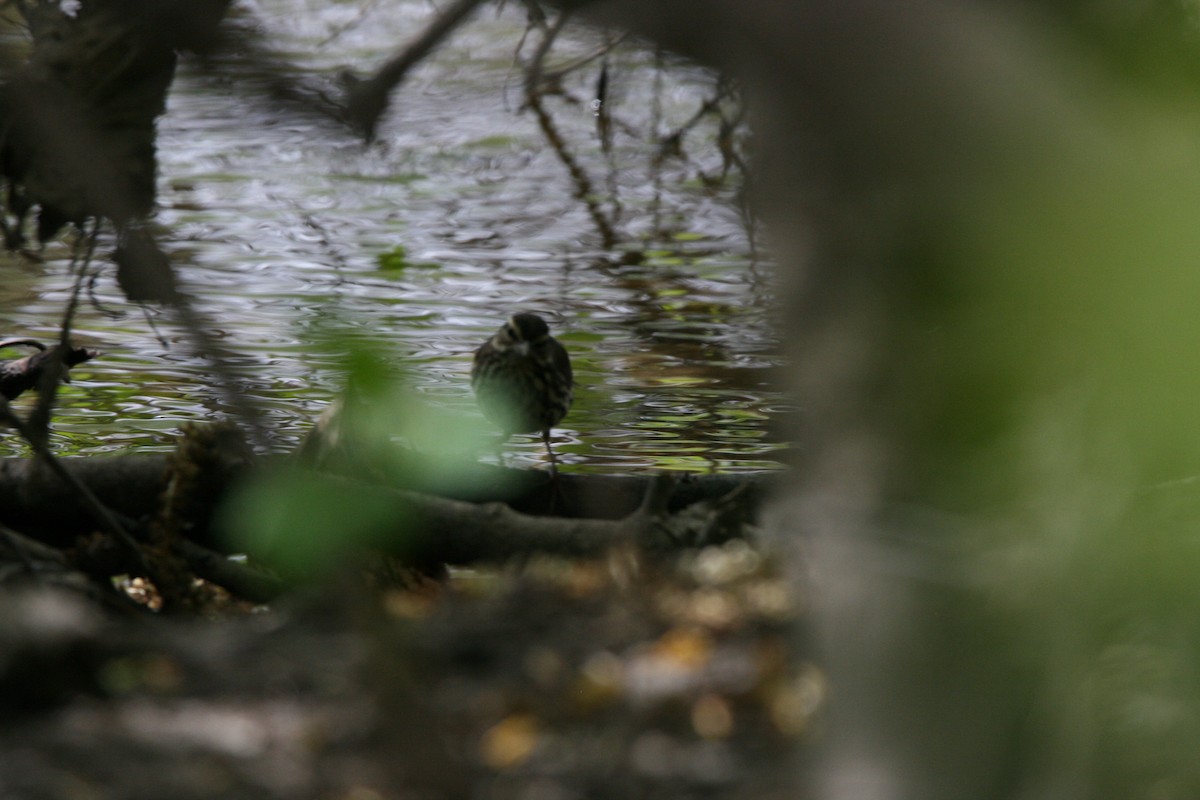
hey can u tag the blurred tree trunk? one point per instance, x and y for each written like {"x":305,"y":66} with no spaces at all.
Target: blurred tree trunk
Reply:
{"x":988,"y":238}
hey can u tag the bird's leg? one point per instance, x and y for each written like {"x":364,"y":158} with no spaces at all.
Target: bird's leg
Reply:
{"x":550,"y":452}
{"x":556,"y":486}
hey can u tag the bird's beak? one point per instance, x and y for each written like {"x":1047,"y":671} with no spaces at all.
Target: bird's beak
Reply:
{"x":522,"y":348}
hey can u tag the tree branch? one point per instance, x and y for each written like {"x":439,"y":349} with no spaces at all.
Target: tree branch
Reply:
{"x":367,"y":100}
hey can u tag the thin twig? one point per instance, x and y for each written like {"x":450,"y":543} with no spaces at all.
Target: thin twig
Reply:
{"x":94,"y":299}
{"x":244,"y":404}
{"x":533,"y":99}
{"x":158,"y":335}
{"x":367,"y":100}
{"x":535,"y":72}
{"x":54,"y":370}
{"x":340,"y":29}
{"x":340,"y":267}
{"x":558,"y":73}
{"x":605,"y":130}
{"x":656,"y":163}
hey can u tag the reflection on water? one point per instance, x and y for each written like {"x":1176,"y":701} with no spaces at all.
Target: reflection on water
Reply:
{"x":277,"y":222}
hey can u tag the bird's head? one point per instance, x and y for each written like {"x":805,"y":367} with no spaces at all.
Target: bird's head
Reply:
{"x":522,"y":331}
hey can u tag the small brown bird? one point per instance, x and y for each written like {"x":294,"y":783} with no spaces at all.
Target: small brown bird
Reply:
{"x":522,"y":378}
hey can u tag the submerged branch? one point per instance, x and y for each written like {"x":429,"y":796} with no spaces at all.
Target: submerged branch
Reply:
{"x":20,"y":375}
{"x":584,"y":187}
{"x":367,"y":100}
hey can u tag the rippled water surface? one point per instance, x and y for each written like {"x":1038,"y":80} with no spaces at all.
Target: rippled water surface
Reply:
{"x":277,"y":221}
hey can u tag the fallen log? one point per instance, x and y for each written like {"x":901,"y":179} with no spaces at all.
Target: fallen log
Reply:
{"x":432,"y":529}
{"x":41,"y":506}
{"x":484,"y":514}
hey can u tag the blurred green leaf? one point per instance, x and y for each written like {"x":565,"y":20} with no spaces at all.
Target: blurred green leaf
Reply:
{"x":384,"y":435}
{"x":303,"y":523}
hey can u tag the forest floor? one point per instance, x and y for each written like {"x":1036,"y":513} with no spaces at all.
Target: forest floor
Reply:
{"x":616,"y":677}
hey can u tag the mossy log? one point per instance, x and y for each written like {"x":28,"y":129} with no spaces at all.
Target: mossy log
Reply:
{"x":487,"y":514}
